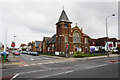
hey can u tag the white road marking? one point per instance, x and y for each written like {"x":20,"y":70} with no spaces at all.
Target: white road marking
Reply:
{"x":96,"y":66}
{"x":51,"y":75}
{"x":14,"y":77}
{"x":32,"y":71}
{"x":46,"y":63}
{"x":101,"y":65}
{"x":56,"y":74}
{"x":51,"y":62}
{"x":31,"y":59}
{"x":90,"y":67}
{"x":116,"y":62}
{"x":69,"y":71}
{"x":56,"y":62}
{"x":76,"y":65}
{"x":40,"y":63}
{"x":26,"y":65}
{"x":38,"y":71}
{"x":35,"y":71}
{"x":33,"y":64}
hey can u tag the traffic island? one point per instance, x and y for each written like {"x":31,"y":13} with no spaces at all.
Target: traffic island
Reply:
{"x":11,"y":62}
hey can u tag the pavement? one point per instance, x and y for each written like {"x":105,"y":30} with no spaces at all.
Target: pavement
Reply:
{"x":17,"y":62}
{"x":13,"y":61}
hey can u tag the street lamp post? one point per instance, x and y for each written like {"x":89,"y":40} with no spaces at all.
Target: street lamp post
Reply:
{"x":14,"y":39}
{"x":107,"y":29}
{"x":14,"y":43}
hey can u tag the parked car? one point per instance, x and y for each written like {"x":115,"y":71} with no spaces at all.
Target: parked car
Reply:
{"x":1,"y":52}
{"x":13,"y":51}
{"x":114,"y":50}
{"x":16,"y":53}
{"x":24,"y":52}
{"x":29,"y":52}
{"x":33,"y":53}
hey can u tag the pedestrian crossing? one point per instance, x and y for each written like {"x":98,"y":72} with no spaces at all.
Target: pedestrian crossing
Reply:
{"x":44,"y":63}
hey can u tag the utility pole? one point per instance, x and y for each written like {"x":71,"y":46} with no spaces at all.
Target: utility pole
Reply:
{"x":107,"y":32}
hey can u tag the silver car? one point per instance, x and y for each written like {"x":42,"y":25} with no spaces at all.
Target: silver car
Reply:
{"x":33,"y":53}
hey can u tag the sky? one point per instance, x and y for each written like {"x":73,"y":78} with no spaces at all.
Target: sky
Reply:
{"x":32,"y":20}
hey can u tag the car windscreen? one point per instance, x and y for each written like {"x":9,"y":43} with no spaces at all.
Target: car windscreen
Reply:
{"x":16,"y":52}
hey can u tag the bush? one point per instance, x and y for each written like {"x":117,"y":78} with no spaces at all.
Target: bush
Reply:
{"x":77,"y":54}
{"x":118,"y":48}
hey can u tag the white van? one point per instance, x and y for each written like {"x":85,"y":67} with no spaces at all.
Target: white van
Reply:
{"x":109,"y":46}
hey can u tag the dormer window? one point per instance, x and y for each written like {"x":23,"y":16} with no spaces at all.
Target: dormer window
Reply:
{"x":65,"y":25}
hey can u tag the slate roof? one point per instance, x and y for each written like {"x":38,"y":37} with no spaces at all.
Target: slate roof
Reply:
{"x":63,"y":17}
{"x":37,"y":43}
{"x":53,"y":39}
{"x":85,"y":35}
{"x":22,"y":45}
{"x":47,"y":39}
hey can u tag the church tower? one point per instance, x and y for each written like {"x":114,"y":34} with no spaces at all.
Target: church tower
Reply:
{"x":63,"y":33}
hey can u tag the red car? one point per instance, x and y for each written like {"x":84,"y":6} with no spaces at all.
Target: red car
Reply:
{"x":16,"y":53}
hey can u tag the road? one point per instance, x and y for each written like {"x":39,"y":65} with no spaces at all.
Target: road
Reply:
{"x":98,"y":68}
{"x":28,"y":58}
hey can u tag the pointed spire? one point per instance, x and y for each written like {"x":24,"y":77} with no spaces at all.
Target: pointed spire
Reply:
{"x":63,"y":17}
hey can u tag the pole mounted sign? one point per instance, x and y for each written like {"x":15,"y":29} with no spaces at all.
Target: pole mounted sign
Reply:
{"x":13,"y":44}
{"x":66,"y":45}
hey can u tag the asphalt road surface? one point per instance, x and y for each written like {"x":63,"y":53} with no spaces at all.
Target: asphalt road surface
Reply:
{"x":99,"y":68}
{"x":26,"y":57}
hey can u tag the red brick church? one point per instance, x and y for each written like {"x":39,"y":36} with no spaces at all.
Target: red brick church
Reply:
{"x":67,"y":39}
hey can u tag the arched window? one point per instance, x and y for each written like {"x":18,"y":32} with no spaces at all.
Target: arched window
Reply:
{"x":76,"y":37}
{"x":86,"y":40}
{"x":52,"y":47}
{"x":66,"y":39}
{"x":43,"y":45}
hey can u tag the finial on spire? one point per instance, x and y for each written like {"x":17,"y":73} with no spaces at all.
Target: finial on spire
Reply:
{"x":76,"y":24}
{"x":63,"y":7}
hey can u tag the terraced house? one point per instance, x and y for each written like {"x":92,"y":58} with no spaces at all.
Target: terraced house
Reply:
{"x":67,"y":39}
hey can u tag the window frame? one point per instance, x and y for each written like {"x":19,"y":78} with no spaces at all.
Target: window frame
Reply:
{"x":76,"y":37}
{"x":65,"y":25}
{"x":86,"y":40}
{"x":66,"y":38}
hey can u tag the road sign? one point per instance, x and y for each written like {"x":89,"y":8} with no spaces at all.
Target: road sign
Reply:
{"x":66,"y":45}
{"x":13,"y":44}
